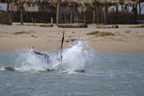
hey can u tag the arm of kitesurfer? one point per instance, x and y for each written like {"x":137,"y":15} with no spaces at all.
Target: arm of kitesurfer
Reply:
{"x":38,"y":53}
{"x":44,"y":55}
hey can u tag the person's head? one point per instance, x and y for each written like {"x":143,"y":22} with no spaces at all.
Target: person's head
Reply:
{"x":33,"y":47}
{"x":9,"y":68}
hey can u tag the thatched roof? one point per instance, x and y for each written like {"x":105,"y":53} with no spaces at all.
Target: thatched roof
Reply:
{"x":118,"y":1}
{"x":77,"y":1}
{"x":51,"y":1}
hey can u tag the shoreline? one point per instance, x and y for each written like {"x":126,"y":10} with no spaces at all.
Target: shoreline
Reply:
{"x":121,"y":40}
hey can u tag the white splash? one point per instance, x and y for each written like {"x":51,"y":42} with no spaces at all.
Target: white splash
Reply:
{"x":74,"y":58}
{"x":2,"y":69}
{"x":28,"y":61}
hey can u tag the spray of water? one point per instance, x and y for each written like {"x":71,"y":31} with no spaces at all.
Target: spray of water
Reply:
{"x":74,"y":58}
{"x":28,"y":61}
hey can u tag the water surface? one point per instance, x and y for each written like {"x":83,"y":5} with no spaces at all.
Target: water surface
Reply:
{"x":107,"y":74}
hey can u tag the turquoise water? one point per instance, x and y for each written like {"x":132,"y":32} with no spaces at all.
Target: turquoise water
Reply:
{"x":107,"y":74}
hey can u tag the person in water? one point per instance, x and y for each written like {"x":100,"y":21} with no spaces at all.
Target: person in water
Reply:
{"x":41,"y":54}
{"x":9,"y":68}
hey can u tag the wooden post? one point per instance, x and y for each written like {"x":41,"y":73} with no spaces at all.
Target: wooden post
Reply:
{"x":98,"y":14}
{"x":101,"y":14}
{"x":71,"y":16}
{"x":75,"y":17}
{"x":117,"y":10}
{"x":94,"y":15}
{"x":139,"y":7}
{"x":21,"y":17}
{"x":84,"y":17}
{"x":135,"y":12}
{"x":117,"y":14}
{"x":8,"y":6}
{"x":21,"y":13}
{"x":122,"y":8}
{"x":58,"y":12}
{"x":105,"y":14}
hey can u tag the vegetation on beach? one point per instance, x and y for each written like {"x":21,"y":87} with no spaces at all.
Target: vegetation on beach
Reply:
{"x":20,"y":33}
{"x":97,"y":33}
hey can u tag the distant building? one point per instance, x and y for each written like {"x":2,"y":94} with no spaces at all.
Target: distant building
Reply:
{"x":76,"y":11}
{"x":3,"y":7}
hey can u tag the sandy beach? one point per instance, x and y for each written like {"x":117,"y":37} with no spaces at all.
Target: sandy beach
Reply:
{"x":19,"y":37}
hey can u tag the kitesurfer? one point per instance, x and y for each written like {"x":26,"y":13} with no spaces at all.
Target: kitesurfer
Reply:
{"x":41,"y":54}
{"x":9,"y":68}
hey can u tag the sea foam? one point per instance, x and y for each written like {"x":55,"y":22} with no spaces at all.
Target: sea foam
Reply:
{"x":73,"y":58}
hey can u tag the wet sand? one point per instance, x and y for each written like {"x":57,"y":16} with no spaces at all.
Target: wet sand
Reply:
{"x":18,"y":37}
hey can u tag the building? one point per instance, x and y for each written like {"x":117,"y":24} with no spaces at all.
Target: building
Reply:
{"x":76,"y":11}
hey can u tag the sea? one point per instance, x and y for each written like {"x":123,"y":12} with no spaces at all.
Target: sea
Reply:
{"x":106,"y":74}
